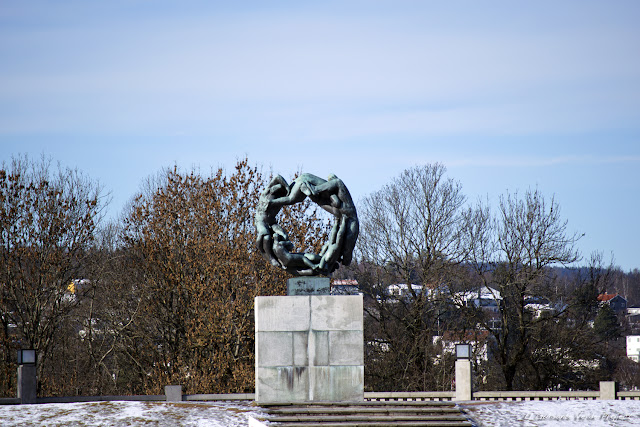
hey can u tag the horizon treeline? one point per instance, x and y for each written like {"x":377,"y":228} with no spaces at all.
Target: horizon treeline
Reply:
{"x":164,"y":294}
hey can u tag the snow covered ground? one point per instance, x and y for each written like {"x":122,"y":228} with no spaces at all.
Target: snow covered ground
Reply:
{"x":159,"y":414}
{"x":556,"y":413}
{"x":228,"y":414}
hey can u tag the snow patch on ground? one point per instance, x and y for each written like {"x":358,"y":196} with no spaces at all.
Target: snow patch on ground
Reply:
{"x":119,"y":413}
{"x":235,"y":414}
{"x":597,"y":413}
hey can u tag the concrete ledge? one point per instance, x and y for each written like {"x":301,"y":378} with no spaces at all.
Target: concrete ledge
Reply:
{"x":135,"y":398}
{"x":409,"y":395}
{"x":371,"y":396}
{"x":73,"y":399}
{"x":629,"y":395}
{"x":535,"y":395}
{"x":227,"y":396}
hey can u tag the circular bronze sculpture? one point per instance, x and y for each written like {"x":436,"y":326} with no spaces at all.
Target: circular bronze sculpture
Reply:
{"x":331,"y":195}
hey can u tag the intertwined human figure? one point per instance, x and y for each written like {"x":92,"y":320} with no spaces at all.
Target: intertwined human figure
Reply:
{"x":331,"y":195}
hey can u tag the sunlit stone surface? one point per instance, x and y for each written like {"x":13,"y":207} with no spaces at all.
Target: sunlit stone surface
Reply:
{"x":309,"y":348}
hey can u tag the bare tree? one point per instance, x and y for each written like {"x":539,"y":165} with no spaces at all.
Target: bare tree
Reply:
{"x":411,"y":235}
{"x":412,"y":225}
{"x":103,"y":352}
{"x":47,"y":221}
{"x":512,"y":254}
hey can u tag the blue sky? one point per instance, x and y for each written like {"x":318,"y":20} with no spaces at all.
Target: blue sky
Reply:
{"x":508,"y":95}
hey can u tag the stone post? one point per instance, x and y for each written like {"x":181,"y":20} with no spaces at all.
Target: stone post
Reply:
{"x":27,"y":383}
{"x":173,"y":393}
{"x":464,"y":379}
{"x":607,"y":390}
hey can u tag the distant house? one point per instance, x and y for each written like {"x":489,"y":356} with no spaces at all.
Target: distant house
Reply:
{"x":402,"y":289}
{"x":617,"y":302}
{"x":542,"y":307}
{"x":633,"y":311}
{"x":540,"y":310}
{"x":404,"y":292}
{"x":345,"y":287}
{"x":486,"y":298}
{"x":633,"y":317}
{"x":633,"y":347}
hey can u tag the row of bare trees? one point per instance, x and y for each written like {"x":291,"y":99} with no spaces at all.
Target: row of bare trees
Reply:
{"x":165,"y":293}
{"x":419,"y":232}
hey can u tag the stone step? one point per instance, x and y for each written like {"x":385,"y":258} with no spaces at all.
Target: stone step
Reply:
{"x":366,"y":414}
{"x":378,"y":424}
{"x":366,"y":410}
{"x":368,"y":418}
{"x":410,"y":403}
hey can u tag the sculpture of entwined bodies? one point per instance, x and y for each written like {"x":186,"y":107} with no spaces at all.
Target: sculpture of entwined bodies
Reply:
{"x":331,"y":195}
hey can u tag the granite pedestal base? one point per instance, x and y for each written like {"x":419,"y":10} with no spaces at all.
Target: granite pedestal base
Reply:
{"x":309,"y":348}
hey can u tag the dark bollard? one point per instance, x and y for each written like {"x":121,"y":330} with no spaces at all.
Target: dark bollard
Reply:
{"x":27,"y":382}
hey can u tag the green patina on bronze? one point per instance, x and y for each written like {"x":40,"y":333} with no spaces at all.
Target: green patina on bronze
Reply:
{"x":331,"y":195}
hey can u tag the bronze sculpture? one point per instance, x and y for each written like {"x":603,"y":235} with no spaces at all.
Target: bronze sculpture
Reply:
{"x":331,"y":195}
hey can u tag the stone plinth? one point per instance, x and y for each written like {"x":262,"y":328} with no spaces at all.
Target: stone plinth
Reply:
{"x":464,"y":380}
{"x":607,"y":390}
{"x":309,"y":348}
{"x":173,"y":393}
{"x":309,"y":286}
{"x":27,"y":383}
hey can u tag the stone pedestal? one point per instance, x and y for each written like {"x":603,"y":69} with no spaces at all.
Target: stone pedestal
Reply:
{"x":607,"y":390}
{"x":27,"y":383}
{"x":308,"y":286}
{"x":464,"y":380}
{"x":173,"y":393}
{"x":309,"y":348}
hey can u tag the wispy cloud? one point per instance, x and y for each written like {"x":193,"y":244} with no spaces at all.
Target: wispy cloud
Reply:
{"x":542,"y":161}
{"x":361,"y":75}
